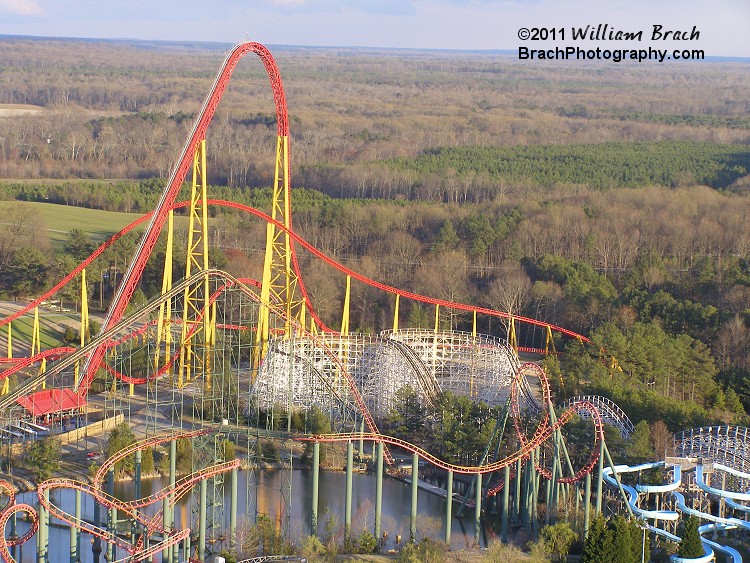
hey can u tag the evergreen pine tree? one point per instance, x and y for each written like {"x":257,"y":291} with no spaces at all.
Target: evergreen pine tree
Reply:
{"x":639,"y":448}
{"x":598,"y":545}
{"x":621,"y":540}
{"x":690,"y":546}
{"x":640,"y":541}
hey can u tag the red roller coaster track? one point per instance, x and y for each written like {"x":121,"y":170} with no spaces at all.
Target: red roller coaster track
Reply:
{"x":145,"y":248}
{"x":542,"y":433}
{"x":298,"y":239}
{"x":6,"y":512}
{"x":545,"y":429}
{"x":151,"y":524}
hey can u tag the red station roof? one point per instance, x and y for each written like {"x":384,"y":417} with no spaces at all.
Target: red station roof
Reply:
{"x":51,"y":401}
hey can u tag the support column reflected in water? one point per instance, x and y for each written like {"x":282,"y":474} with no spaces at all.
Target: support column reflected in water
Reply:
{"x":478,"y":510}
{"x":348,"y":499}
{"x":315,"y":488}
{"x":587,"y":505}
{"x":233,"y":511}
{"x":378,"y":489}
{"x":448,"y":507}
{"x":414,"y":492}
{"x":202,"y":520}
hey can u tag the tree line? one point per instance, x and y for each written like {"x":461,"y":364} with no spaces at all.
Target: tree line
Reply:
{"x":677,"y":285}
{"x":99,"y":109}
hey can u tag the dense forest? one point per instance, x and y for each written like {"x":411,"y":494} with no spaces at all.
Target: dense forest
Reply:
{"x":611,"y":204}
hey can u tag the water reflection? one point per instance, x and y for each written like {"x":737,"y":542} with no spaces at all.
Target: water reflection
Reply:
{"x":263,"y":493}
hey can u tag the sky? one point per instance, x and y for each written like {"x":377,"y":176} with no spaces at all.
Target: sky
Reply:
{"x":722,"y":25}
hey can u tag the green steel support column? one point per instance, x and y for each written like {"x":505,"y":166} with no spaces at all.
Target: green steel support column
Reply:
{"x":551,"y":492}
{"x":555,"y":464}
{"x":114,"y":530}
{"x":202,"y":520}
{"x":535,"y":477}
{"x":45,"y":520}
{"x":448,"y":507}
{"x":138,"y":461}
{"x":96,"y":546}
{"x":378,"y":490}
{"x":517,"y":497}
{"x":618,"y":481}
{"x":587,"y":505}
{"x":42,"y":532}
{"x":73,"y":542}
{"x":600,"y":479}
{"x":361,"y":441}
{"x":506,"y":495}
{"x":75,"y":548}
{"x":528,"y":487}
{"x":186,"y":547}
{"x":478,"y":510}
{"x":414,"y":491}
{"x":315,"y":484}
{"x":168,"y":514}
{"x":233,"y":510}
{"x":348,"y":501}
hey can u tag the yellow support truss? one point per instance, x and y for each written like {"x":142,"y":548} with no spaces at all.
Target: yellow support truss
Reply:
{"x":395,"y":314}
{"x":512,"y":340}
{"x":196,"y":310}
{"x":6,"y":381}
{"x":164,"y":321}
{"x":279,"y":283}
{"x":84,"y":331}
{"x":345,"y":315}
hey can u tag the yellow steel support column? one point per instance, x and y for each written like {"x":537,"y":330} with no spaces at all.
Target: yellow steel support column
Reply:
{"x":211,"y":336}
{"x":36,"y":344}
{"x":344,"y":332}
{"x":614,"y":366}
{"x":279,"y":284}
{"x":344,"y":316}
{"x":435,"y":338}
{"x":196,"y":309}
{"x":263,"y":330}
{"x":6,"y":381}
{"x":474,"y":324}
{"x":549,"y":345}
{"x":84,"y":309}
{"x":303,"y":320}
{"x":164,"y":321}
{"x":395,"y":314}
{"x":512,"y":341}
{"x":84,"y":330}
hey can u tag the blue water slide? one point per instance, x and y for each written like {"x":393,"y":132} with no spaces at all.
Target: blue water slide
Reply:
{"x":718,"y":523}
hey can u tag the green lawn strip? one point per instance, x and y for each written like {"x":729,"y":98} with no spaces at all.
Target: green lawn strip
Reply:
{"x":51,"y":329}
{"x":61,"y":219}
{"x":98,"y":224}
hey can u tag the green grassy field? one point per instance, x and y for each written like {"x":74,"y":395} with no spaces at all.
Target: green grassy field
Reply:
{"x":51,"y":329}
{"x":61,"y":219}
